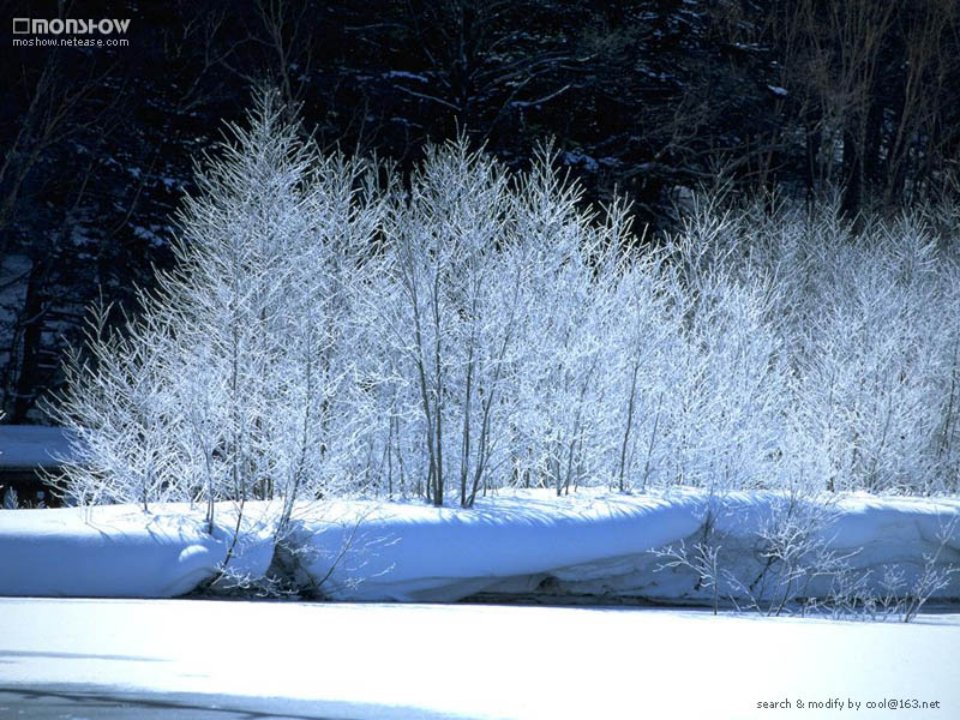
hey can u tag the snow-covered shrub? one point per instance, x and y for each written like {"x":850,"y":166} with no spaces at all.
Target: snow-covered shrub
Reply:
{"x":778,"y":555}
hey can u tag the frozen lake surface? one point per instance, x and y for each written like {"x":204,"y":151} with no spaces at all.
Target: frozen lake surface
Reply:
{"x":219,"y":660}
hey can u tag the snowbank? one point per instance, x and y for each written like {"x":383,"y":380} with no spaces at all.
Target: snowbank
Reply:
{"x":594,"y":544}
{"x":28,"y":446}
{"x":119,"y":551}
{"x":585,"y":544}
{"x":413,"y":552}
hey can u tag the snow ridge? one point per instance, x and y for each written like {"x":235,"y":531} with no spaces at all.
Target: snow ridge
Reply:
{"x":588,"y":543}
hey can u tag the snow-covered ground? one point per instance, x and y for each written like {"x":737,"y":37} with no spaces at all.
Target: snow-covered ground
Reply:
{"x":410,"y":661}
{"x":585,"y":544}
{"x":28,"y":446}
{"x":367,"y":660}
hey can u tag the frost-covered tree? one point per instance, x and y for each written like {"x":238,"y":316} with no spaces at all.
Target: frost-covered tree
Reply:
{"x":331,"y":327}
{"x":223,"y":385}
{"x":561,"y":431}
{"x":488,"y":310}
{"x":446,"y":237}
{"x":128,"y":443}
{"x":864,"y":321}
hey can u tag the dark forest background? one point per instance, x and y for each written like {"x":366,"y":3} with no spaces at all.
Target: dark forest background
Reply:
{"x":855,"y":102}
